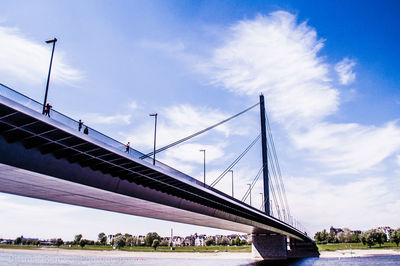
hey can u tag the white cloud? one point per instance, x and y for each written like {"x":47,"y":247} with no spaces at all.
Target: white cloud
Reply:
{"x":95,"y":118}
{"x":275,"y":55}
{"x":349,"y":148}
{"x":345,"y":71}
{"x":133,"y":105}
{"x":191,"y":152}
{"x":343,"y":204}
{"x":180,"y":121}
{"x":28,"y":60}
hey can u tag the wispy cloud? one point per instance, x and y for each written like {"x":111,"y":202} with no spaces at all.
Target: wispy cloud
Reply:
{"x":133,"y":105}
{"x":353,"y":201}
{"x":349,"y":148}
{"x":275,"y":55}
{"x":95,"y":118}
{"x":29,"y":60}
{"x":345,"y":71}
{"x":179,"y":121}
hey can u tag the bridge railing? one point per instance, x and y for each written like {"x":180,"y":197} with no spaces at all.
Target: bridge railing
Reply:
{"x":115,"y":144}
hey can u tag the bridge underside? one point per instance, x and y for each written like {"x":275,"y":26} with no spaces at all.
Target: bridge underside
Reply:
{"x":26,"y":183}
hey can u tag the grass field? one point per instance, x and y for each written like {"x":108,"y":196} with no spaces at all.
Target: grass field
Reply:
{"x":168,"y":249}
{"x":18,"y":247}
{"x":342,"y":246}
{"x":210,"y":249}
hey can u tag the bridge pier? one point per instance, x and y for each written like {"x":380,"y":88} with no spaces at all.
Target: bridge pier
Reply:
{"x":300,"y":249}
{"x":281,"y":247}
{"x":269,"y":247}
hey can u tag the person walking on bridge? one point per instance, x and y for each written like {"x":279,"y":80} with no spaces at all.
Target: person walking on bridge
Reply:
{"x":47,"y":109}
{"x":127,"y":147}
{"x":80,"y":124}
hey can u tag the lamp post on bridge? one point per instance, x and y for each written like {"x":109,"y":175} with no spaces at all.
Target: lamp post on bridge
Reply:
{"x":53,"y":41}
{"x":232,"y":180}
{"x":250,"y":192}
{"x":204,"y":166}
{"x":155,"y":135}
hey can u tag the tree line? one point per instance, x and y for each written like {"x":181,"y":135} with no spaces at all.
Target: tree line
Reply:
{"x":370,"y":238}
{"x":152,"y":239}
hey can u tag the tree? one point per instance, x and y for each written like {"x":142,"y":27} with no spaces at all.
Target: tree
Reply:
{"x":102,"y":238}
{"x":77,"y":239}
{"x":59,"y":242}
{"x":331,"y":238}
{"x":341,"y":237}
{"x":82,"y":243}
{"x":155,"y":243}
{"x":381,"y":238}
{"x":210,"y":241}
{"x":18,"y":241}
{"x":395,"y":237}
{"x":150,"y":238}
{"x":224,"y":241}
{"x":373,"y":237}
{"x":243,"y":242}
{"x":119,"y":241}
{"x":355,"y":238}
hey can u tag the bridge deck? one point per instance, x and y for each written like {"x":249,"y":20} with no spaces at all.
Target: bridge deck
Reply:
{"x":55,"y":155}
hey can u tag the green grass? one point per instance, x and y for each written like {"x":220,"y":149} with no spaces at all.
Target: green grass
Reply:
{"x":342,"y":246}
{"x":18,"y":247}
{"x":210,"y":249}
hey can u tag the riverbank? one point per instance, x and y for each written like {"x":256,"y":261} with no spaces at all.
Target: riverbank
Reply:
{"x":356,"y":253}
{"x":127,"y":254}
{"x":190,"y":255}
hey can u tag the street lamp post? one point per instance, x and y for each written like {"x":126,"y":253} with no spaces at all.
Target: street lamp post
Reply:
{"x":232,"y":180}
{"x":48,"y":77}
{"x":250,"y":192}
{"x":155,"y":137}
{"x":204,"y":166}
{"x":262,"y":200}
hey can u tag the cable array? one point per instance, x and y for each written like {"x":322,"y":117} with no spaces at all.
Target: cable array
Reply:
{"x":199,"y":132}
{"x":235,"y":161}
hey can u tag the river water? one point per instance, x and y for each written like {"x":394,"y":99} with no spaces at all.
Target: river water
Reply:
{"x":10,"y":258}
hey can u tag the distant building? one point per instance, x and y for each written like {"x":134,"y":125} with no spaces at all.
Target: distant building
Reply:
{"x":336,"y":231}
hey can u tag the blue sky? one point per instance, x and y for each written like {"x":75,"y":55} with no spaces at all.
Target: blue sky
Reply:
{"x":329,"y":71}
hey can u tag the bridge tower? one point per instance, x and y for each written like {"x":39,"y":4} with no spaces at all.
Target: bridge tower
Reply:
{"x":264,"y":156}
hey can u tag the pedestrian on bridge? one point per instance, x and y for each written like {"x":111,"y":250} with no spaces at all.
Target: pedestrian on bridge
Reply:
{"x":47,"y":109}
{"x":127,"y":147}
{"x":80,"y":124}
{"x":86,"y":130}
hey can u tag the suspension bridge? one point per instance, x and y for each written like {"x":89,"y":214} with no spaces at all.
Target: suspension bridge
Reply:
{"x":49,"y":158}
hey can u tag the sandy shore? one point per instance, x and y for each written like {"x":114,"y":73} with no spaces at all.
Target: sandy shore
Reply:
{"x":130,"y":254}
{"x":193,"y":255}
{"x":359,"y":253}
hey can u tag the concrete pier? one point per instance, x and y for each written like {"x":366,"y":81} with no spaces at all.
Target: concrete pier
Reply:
{"x":281,"y":247}
{"x":269,"y":246}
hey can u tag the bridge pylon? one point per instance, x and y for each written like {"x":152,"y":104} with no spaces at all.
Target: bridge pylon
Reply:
{"x":264,"y":156}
